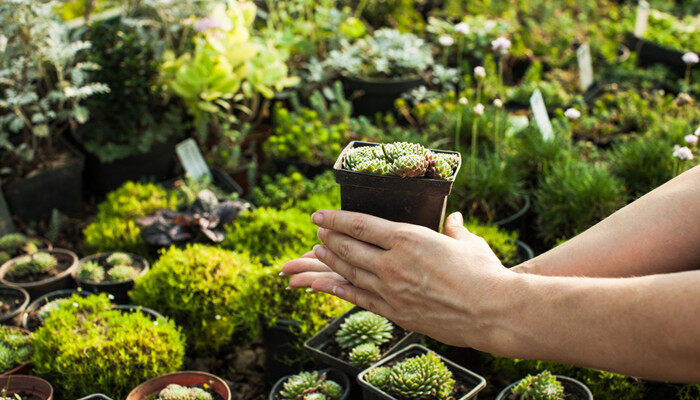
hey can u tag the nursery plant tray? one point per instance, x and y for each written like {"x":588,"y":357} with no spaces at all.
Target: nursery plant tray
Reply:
{"x":468,"y":383}
{"x":315,"y":345}
{"x":419,"y":201}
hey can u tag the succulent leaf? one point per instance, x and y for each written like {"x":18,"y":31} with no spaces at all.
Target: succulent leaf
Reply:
{"x":365,"y":355}
{"x":364,"y":327}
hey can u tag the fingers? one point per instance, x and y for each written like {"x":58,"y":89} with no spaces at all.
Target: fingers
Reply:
{"x":309,"y":254}
{"x":305,"y":279}
{"x":359,"y":226}
{"x":307,"y":264}
{"x":360,"y":297}
{"x":352,"y":251}
{"x":454,"y":227}
{"x":358,"y":276}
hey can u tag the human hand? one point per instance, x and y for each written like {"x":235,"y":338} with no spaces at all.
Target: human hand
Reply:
{"x":445,"y":286}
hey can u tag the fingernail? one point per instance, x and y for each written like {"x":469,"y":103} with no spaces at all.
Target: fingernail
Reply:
{"x":281,"y":273}
{"x":320,"y":233}
{"x":309,"y":290}
{"x":287,"y":288}
{"x":320,"y":251}
{"x":457,"y":218}
{"x":338,"y":291}
{"x":317,"y":218}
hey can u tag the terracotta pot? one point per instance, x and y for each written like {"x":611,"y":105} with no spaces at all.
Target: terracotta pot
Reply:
{"x":62,"y":280}
{"x":186,"y":378}
{"x":27,"y":384}
{"x":22,"y":368}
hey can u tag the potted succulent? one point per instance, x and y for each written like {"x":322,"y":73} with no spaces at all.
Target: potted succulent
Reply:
{"x":356,"y":340}
{"x":112,"y":273}
{"x":15,"y":350}
{"x":545,"y":386}
{"x":39,"y":309}
{"x":381,"y":68}
{"x":15,"y":244}
{"x":402,"y":182}
{"x":41,"y":272}
{"x":182,"y":385}
{"x":25,"y":387}
{"x":418,"y":373}
{"x":41,"y":94}
{"x":13,"y":302}
{"x":327,"y":384}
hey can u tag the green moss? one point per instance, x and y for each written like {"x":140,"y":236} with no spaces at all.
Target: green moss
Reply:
{"x":113,"y":234}
{"x":37,"y":263}
{"x":121,"y":272}
{"x":86,"y":347}
{"x":502,"y":242}
{"x":15,"y":348}
{"x":91,"y":272}
{"x":288,"y":190}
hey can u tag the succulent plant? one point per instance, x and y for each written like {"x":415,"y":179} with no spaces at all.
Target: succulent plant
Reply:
{"x":91,"y":271}
{"x":14,"y":242}
{"x":440,"y":168}
{"x":543,"y":386}
{"x":121,"y":272}
{"x":358,"y":155}
{"x":365,"y":355}
{"x":115,"y":259}
{"x":177,"y":392}
{"x":15,"y":348}
{"x":310,"y":386}
{"x":421,"y":377}
{"x":50,"y":307}
{"x":379,"y":377}
{"x":364,"y":327}
{"x":404,"y":159}
{"x":410,"y":166}
{"x":373,"y":166}
{"x":34,"y":264}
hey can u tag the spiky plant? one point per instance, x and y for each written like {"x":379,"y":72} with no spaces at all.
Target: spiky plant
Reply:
{"x":365,"y":355}
{"x":91,"y":271}
{"x":440,"y":168}
{"x":379,"y":377}
{"x":121,"y":272}
{"x":374,"y":166}
{"x":177,"y":392}
{"x":410,"y":166}
{"x":364,"y":327}
{"x":36,"y":263}
{"x":543,"y":386}
{"x":115,"y":259}
{"x":307,"y":385}
{"x":421,"y":377}
{"x":357,"y":155}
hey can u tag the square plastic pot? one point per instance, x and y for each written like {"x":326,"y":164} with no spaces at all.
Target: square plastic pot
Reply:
{"x":419,"y":201}
{"x":475,"y":383}
{"x":331,"y":374}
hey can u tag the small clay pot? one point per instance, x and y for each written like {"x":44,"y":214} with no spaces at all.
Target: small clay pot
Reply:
{"x":186,"y":378}
{"x":27,"y":384}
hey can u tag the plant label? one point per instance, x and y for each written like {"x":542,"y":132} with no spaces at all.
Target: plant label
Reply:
{"x":585,"y":66}
{"x":640,"y":25}
{"x":541,"y":117}
{"x":6,"y":224}
{"x":191,"y":159}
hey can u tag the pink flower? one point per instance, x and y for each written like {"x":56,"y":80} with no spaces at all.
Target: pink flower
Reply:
{"x":498,"y":103}
{"x":463,"y":101}
{"x":682,"y":153}
{"x":691,"y":139}
{"x":479,"y":72}
{"x":479,"y":109}
{"x":690,"y":58}
{"x":501,"y":45}
{"x":208,"y":23}
{"x":697,"y":131}
{"x":572,"y":113}
{"x":462,"y":28}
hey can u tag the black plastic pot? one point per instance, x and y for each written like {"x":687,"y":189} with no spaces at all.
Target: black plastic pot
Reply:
{"x":119,"y":290}
{"x":525,"y":251}
{"x":331,"y":374}
{"x":96,"y":396}
{"x":62,"y":188}
{"x":282,"y":349}
{"x":150,"y":313}
{"x":29,"y":323}
{"x":475,"y":383}
{"x":570,"y":386}
{"x":419,"y":201}
{"x":517,"y":221}
{"x":36,"y":289}
{"x":155,"y":165}
{"x":374,"y":96}
{"x":649,"y":53}
{"x":14,"y":316}
{"x":314,"y":345}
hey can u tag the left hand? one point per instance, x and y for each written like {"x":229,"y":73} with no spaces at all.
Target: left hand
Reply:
{"x":444,"y":286}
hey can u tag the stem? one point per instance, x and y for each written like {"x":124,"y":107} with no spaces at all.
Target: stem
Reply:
{"x":475,"y":127}
{"x":459,"y":61}
{"x":687,"y":76}
{"x":360,"y":8}
{"x":496,"y":131}
{"x":458,"y":127}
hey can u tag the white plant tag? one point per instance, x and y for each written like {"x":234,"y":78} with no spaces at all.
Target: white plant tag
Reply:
{"x":640,"y":25}
{"x":585,"y":66}
{"x":6,"y":224}
{"x":541,"y":117}
{"x":191,"y":159}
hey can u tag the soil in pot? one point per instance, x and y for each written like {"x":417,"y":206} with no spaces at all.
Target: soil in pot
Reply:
{"x":112,"y":273}
{"x":26,"y":386}
{"x":13,"y":301}
{"x":10,"y":302}
{"x":25,"y":396}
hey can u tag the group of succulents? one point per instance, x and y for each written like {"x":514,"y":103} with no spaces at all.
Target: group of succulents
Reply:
{"x":403,"y":159}
{"x":310,"y":385}
{"x":177,"y":392}
{"x":35,"y":263}
{"x":120,"y":268}
{"x":420,"y":377}
{"x":361,"y":334}
{"x":543,"y":386}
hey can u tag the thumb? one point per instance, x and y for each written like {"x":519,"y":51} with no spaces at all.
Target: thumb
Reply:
{"x":454,"y":226}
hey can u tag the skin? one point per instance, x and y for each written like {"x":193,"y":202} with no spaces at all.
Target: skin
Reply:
{"x":623,"y":296}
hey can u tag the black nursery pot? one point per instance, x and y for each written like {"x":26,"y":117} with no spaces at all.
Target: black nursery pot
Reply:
{"x":96,"y":396}
{"x":282,"y":355}
{"x":148,"y":312}
{"x":30,"y":323}
{"x":373,"y":96}
{"x":469,"y":382}
{"x":327,"y":335}
{"x":571,"y":386}
{"x":119,"y":290}
{"x":649,"y":53}
{"x":331,"y":374}
{"x":21,"y":300}
{"x":419,"y":201}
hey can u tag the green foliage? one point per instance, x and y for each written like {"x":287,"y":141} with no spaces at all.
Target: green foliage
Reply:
{"x":114,"y":233}
{"x":177,"y":392}
{"x":419,"y":377}
{"x":503,"y":243}
{"x":543,"y":386}
{"x":530,"y":153}
{"x":642,"y":163}
{"x":200,"y":287}
{"x":288,"y":190}
{"x":36,"y":263}
{"x":574,"y":196}
{"x":14,"y":244}
{"x":364,"y":327}
{"x":689,"y":392}
{"x":304,"y":384}
{"x":15,"y":348}
{"x":122,"y":348}
{"x":400,"y":14}
{"x":91,"y":272}
{"x":554,"y":93}
{"x":121,"y":272}
{"x":364,"y":355}
{"x":269,"y":234}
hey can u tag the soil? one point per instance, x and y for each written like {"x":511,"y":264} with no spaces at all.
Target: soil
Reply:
{"x":64,"y":262}
{"x":330,"y":346}
{"x":9,"y":303}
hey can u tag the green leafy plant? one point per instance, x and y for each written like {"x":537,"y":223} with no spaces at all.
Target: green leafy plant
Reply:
{"x":419,"y":377}
{"x":364,"y":327}
{"x":121,"y":272}
{"x":364,"y":355}
{"x":503,"y":243}
{"x":200,"y":287}
{"x":123,"y":348}
{"x":308,"y":385}
{"x":543,"y":386}
{"x":118,"y":258}
{"x":287,"y":190}
{"x":15,"y":348}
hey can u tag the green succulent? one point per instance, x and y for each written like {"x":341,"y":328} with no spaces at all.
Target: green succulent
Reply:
{"x":404,"y":159}
{"x":91,"y":271}
{"x":543,"y":386}
{"x":364,"y":327}
{"x":121,"y":272}
{"x":14,"y":242}
{"x":379,"y":377}
{"x":365,"y":355}
{"x":440,"y":168}
{"x":315,"y":396}
{"x":115,"y":259}
{"x":36,"y":263}
{"x":373,"y":166}
{"x":177,"y":392}
{"x":332,"y":389}
{"x":310,"y":386}
{"x":358,"y":155}
{"x":421,"y":377}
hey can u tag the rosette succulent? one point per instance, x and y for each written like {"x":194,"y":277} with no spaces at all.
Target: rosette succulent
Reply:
{"x":36,"y":263}
{"x":121,"y":272}
{"x":177,"y":392}
{"x":115,"y":259}
{"x":416,"y":378}
{"x":407,"y":160}
{"x":310,"y":386}
{"x":543,"y":386}
{"x":91,"y":271}
{"x":365,"y":355}
{"x":364,"y":327}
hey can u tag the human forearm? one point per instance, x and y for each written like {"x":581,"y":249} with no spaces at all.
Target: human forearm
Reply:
{"x":645,"y":326}
{"x":658,"y":233}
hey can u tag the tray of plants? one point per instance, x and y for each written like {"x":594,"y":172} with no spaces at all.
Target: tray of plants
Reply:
{"x":403,"y":182}
{"x":112,"y":273}
{"x":41,"y":272}
{"x":418,"y":373}
{"x":331,"y":383}
{"x":546,"y":386}
{"x":182,"y":385}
